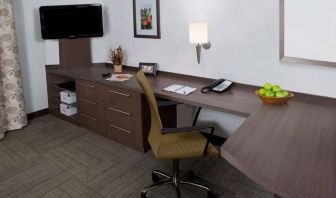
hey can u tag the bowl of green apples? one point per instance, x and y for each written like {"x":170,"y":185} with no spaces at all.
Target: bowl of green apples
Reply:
{"x":274,"y":94}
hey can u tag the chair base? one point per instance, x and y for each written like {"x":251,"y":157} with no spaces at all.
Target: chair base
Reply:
{"x":174,"y":181}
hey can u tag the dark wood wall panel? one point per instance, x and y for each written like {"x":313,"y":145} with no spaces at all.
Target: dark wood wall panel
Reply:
{"x":75,"y":52}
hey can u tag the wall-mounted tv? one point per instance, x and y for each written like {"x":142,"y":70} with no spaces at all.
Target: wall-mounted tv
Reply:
{"x":71,"y":21}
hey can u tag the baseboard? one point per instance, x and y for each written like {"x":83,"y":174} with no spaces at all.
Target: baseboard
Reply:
{"x":37,"y":114}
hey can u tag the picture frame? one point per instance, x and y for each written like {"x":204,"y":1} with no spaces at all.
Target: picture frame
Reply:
{"x":148,"y":68}
{"x":146,"y":19}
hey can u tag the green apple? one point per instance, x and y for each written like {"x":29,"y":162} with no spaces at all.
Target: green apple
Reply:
{"x":276,"y":88}
{"x":269,"y":93}
{"x":279,"y":94}
{"x":268,"y":86}
{"x":285,"y":94}
{"x":261,"y":92}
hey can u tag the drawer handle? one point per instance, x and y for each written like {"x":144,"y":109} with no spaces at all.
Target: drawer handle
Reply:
{"x":121,"y":129}
{"x":117,"y":110}
{"x":122,"y":94}
{"x":88,"y":116}
{"x":88,"y":101}
{"x":86,"y":85}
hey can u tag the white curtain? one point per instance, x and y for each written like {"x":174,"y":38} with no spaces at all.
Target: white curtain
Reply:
{"x":12,"y":109}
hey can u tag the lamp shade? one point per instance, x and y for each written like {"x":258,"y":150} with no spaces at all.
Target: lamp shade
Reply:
{"x":198,"y":33}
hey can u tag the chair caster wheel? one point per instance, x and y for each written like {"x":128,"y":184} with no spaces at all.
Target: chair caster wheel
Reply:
{"x":143,"y":195}
{"x":155,"y":178}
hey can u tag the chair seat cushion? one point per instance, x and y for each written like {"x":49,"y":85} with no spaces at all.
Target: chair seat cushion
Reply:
{"x":184,"y":145}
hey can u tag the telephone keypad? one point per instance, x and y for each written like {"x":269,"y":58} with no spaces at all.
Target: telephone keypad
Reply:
{"x":224,"y":85}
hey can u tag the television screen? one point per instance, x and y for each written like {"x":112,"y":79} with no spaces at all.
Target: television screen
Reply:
{"x":71,"y":21}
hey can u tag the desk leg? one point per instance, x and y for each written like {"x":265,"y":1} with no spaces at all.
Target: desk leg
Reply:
{"x":277,"y":196}
{"x":196,"y":116}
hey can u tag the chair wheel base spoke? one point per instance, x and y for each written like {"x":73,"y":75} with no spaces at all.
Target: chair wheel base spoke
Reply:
{"x":175,"y":181}
{"x":155,"y":178}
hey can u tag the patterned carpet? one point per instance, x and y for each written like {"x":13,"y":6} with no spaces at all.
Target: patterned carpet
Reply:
{"x":52,"y":158}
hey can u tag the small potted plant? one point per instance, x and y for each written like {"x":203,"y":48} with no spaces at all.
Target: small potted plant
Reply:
{"x":117,"y":58}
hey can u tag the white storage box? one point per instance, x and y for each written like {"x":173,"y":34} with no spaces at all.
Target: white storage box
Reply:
{"x":67,"y":109}
{"x":68,"y":97}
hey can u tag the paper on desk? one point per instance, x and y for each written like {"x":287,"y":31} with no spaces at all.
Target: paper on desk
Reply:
{"x":173,"y":88}
{"x":119,"y":77}
{"x":185,"y":90}
{"x":180,"y":89}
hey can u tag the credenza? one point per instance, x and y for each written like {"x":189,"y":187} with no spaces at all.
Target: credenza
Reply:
{"x":120,"y":114}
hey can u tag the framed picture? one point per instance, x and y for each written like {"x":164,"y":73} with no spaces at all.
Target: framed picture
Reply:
{"x":148,"y":68}
{"x":146,"y":19}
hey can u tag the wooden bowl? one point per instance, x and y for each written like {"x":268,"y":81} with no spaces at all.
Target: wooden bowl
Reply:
{"x":275,"y":100}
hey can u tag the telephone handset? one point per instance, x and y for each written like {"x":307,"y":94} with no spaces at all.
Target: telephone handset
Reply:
{"x":219,"y":86}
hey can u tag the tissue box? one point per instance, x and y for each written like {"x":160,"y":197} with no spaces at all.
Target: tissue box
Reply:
{"x":68,"y":97}
{"x":67,"y":109}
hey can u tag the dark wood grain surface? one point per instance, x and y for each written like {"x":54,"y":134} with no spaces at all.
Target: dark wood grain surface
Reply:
{"x":239,"y":100}
{"x":75,"y":52}
{"x":289,"y":149}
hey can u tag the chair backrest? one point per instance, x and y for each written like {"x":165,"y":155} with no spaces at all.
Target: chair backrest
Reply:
{"x":155,"y":135}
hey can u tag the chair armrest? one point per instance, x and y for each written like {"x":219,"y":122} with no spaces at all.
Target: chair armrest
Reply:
{"x":189,"y":129}
{"x":185,"y":129}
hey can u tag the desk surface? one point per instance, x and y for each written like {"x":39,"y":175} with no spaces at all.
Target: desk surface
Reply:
{"x":289,"y":149}
{"x":239,"y":100}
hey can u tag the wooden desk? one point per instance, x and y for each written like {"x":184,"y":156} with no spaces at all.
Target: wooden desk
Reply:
{"x":290,"y":149}
{"x":239,"y":100}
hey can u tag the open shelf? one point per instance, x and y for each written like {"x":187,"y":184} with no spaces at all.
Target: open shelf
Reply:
{"x":55,"y":110}
{"x":73,"y":119}
{"x":56,"y":99}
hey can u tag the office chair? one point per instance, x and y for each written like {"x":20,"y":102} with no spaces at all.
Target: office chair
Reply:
{"x":174,"y":144}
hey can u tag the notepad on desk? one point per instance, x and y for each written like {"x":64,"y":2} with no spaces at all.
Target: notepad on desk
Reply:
{"x":119,"y":77}
{"x":180,"y":89}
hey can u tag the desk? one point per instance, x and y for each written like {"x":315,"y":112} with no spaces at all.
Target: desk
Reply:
{"x":289,"y":149}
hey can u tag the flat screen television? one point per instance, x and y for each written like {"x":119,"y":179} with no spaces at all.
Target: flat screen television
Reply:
{"x":71,"y":21}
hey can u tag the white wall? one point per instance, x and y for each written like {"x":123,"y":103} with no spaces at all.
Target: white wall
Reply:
{"x":245,"y":47}
{"x":35,"y":53}
{"x":244,"y":36}
{"x":245,"y":43}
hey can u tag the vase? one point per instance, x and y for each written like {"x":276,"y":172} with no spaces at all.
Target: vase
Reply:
{"x":117,"y":68}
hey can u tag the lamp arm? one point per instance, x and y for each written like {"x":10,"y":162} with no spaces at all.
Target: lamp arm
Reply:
{"x":198,"y":52}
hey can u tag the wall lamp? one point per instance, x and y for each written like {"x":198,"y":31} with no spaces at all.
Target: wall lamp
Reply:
{"x":198,"y":34}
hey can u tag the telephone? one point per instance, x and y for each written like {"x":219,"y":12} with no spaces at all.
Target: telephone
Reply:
{"x":219,"y":86}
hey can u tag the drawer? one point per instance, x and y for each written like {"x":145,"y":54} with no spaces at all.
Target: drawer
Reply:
{"x":125,"y":120}
{"x":124,"y":136}
{"x":91,"y":123}
{"x":125,"y":100}
{"x":89,"y":107}
{"x":88,"y":89}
